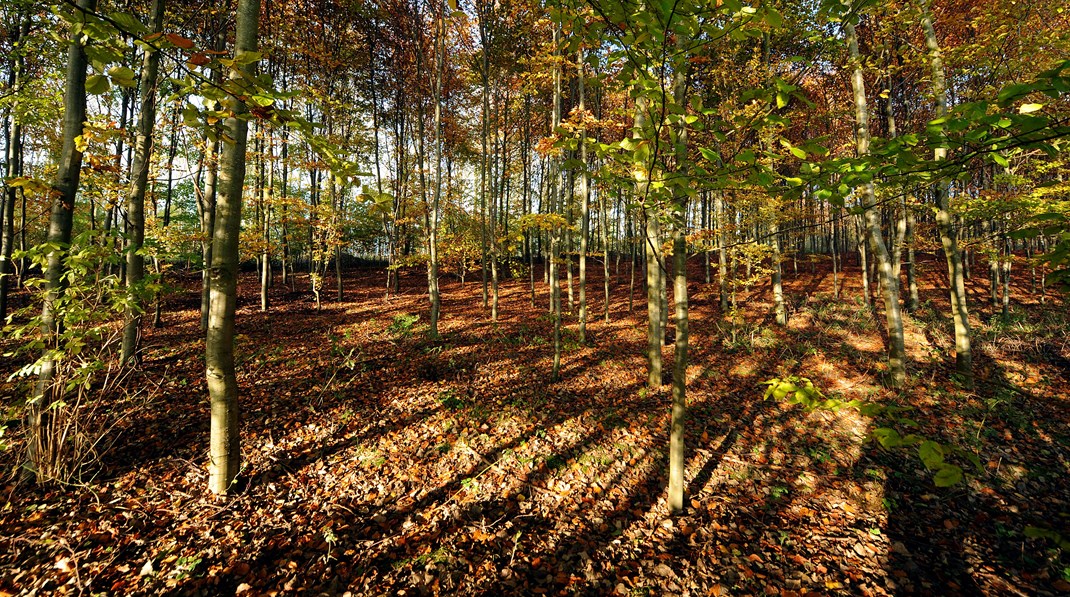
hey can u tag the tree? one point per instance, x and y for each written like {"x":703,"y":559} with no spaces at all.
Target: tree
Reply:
{"x":135,"y":198}
{"x":889,"y":285}
{"x":60,"y":227}
{"x":224,"y":448}
{"x":944,"y":223}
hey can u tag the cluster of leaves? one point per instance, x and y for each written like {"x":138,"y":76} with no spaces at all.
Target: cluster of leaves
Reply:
{"x":82,"y":349}
{"x":934,"y":455}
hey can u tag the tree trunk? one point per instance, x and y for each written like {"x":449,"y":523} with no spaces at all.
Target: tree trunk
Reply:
{"x":59,"y":237}
{"x":267,"y":195}
{"x":679,"y":374}
{"x":13,"y":169}
{"x":224,"y":449}
{"x":912,"y":266}
{"x":432,"y":265}
{"x":889,"y":287}
{"x":780,"y":311}
{"x":944,"y":221}
{"x":207,"y":200}
{"x":585,"y":215}
{"x":135,"y":198}
{"x":722,"y":251}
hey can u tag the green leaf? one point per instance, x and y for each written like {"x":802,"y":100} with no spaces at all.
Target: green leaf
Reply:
{"x":122,"y":75}
{"x":931,"y":454}
{"x":947,"y":476}
{"x":887,"y":437}
{"x":774,"y":18}
{"x":127,"y":23}
{"x":710,"y":155}
{"x":999,"y":159}
{"x":97,"y":84}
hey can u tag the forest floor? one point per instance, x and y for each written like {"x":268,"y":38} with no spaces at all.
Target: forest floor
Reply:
{"x":380,"y":462}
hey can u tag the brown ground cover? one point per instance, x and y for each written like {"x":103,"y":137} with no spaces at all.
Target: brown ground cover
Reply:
{"x":380,"y":462}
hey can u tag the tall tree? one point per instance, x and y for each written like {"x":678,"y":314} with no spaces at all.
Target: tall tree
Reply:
{"x":60,"y":227}
{"x":14,"y":161}
{"x":872,"y":223}
{"x":944,"y":219}
{"x":224,"y":448}
{"x":135,"y":198}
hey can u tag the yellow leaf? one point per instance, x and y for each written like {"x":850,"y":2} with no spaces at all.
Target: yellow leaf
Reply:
{"x":1029,"y":108}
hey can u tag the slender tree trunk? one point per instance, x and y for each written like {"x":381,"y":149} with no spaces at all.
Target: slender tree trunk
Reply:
{"x":651,"y":249}
{"x":225,"y":442}
{"x":912,"y":267}
{"x":1005,"y":275}
{"x":585,"y":214}
{"x":555,"y":233}
{"x":889,"y":287}
{"x":483,"y":182}
{"x":207,"y":199}
{"x":284,"y":222}
{"x":432,"y":266}
{"x":780,"y":311}
{"x":722,"y":252}
{"x":59,"y":237}
{"x":679,"y":375}
{"x":604,"y":209}
{"x":944,"y":219}
{"x":135,"y":198}
{"x":267,"y":160}
{"x":13,"y":169}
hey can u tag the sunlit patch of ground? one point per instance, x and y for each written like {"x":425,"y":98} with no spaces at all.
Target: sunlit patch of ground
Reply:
{"x":378,"y":460}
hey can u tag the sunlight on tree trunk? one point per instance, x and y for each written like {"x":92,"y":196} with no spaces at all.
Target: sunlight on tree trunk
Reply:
{"x":59,"y":236}
{"x":889,"y":286}
{"x":135,"y":199}
{"x":944,"y":219}
{"x":225,"y":442}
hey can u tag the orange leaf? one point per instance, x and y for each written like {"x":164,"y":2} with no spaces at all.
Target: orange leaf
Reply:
{"x":179,"y":42}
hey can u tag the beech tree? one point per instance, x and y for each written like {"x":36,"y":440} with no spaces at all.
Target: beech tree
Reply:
{"x":135,"y":199}
{"x":225,"y":442}
{"x":60,"y":227}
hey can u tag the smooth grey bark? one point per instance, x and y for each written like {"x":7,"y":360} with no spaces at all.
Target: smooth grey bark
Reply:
{"x":722,"y":251}
{"x":484,"y":121}
{"x":779,"y":309}
{"x":13,"y":169}
{"x":266,"y":197}
{"x":912,"y":266}
{"x":678,"y":418}
{"x":432,"y":265}
{"x":585,"y":213}
{"x":135,"y":197}
{"x":604,"y":210}
{"x":652,"y":252}
{"x":944,"y":220}
{"x":207,"y":199}
{"x":555,"y":233}
{"x":225,"y":442}
{"x":59,"y":237}
{"x":889,"y":286}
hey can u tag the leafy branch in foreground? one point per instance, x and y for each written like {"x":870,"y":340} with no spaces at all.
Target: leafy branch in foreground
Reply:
{"x":934,"y":455}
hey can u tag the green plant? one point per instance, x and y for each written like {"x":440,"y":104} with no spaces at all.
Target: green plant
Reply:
{"x":81,"y":392}
{"x":447,"y":399}
{"x":934,"y":455}
{"x":402,"y":325}
{"x":1063,"y":543}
